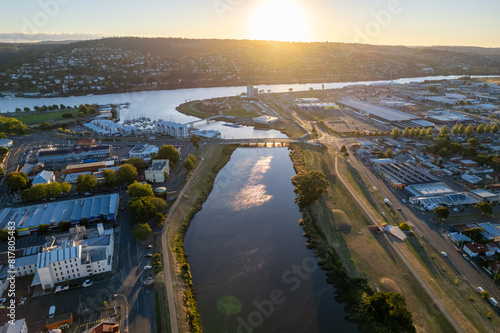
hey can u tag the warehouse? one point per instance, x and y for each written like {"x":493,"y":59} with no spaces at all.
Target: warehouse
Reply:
{"x":28,"y":218}
{"x":381,"y":113}
{"x":399,"y":175}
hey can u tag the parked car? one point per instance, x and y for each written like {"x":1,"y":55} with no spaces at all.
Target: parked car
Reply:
{"x":147,"y":267}
{"x":493,"y":301}
{"x":480,"y":289}
{"x":52,"y":311}
{"x":149,"y":246}
{"x":444,"y":254}
{"x":465,"y":256}
{"x":149,"y":255}
{"x":87,"y":283}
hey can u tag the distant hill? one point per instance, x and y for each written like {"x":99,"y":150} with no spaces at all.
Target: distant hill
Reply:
{"x":132,"y":63}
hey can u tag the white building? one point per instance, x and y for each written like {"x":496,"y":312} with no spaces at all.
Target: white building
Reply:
{"x":44,"y":177}
{"x":170,"y":128}
{"x":143,"y":151}
{"x":157,"y":170}
{"x":252,"y":91}
{"x":265,"y":119}
{"x":19,"y":326}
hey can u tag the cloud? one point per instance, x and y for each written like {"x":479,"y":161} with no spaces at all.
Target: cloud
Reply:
{"x":19,"y":37}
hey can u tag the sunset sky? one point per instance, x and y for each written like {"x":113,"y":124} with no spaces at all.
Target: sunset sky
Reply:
{"x":401,"y":22}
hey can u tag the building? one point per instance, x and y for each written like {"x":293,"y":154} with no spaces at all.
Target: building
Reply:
{"x":19,"y":326}
{"x":5,"y":143}
{"x":85,"y":142}
{"x":484,"y":195}
{"x":209,"y":134}
{"x":252,"y":91}
{"x":475,"y":249}
{"x":265,"y":120}
{"x":429,"y":190}
{"x":107,"y":328}
{"x":158,"y":171}
{"x":88,"y":167}
{"x":28,"y":218}
{"x":170,"y":128}
{"x":144,"y":151}
{"x":448,"y":117}
{"x":68,"y":155}
{"x":44,"y":177}
{"x":400,"y":175}
{"x":62,"y":322}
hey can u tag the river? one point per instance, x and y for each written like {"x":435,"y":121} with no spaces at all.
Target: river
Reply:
{"x":251,"y":269}
{"x":161,"y":104}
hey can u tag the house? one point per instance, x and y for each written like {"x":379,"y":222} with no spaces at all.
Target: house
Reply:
{"x":106,"y":327}
{"x":474,"y":249}
{"x":158,"y":171}
{"x":19,"y":326}
{"x":44,"y":177}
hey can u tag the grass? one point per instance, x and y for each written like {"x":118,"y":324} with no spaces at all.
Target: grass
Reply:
{"x":45,"y":116}
{"x":191,"y":110}
{"x":239,"y":112}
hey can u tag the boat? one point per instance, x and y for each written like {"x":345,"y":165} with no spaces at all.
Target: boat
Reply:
{"x":237,"y":125}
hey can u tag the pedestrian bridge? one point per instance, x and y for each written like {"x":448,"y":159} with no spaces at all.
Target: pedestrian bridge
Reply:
{"x":261,"y":142}
{"x":207,"y":120}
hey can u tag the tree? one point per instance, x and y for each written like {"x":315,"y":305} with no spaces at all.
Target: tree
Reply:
{"x":494,"y":128}
{"x":126,"y":174}
{"x":461,"y":129}
{"x":37,"y":192}
{"x":396,"y":133}
{"x":83,"y":108}
{"x":26,"y":109}
{"x":188,"y":164}
{"x":444,"y":152}
{"x":469,"y":130}
{"x":343,"y":149}
{"x":45,"y":126}
{"x":85,"y":183}
{"x":138,"y":162}
{"x":64,"y":225}
{"x":141,"y":231}
{"x":2,"y":135}
{"x":387,"y":312}
{"x":62,"y":107}
{"x":473,"y":142}
{"x":53,"y":189}
{"x":441,"y":212}
{"x":404,"y":226}
{"x":17,"y":180}
{"x":429,"y":131}
{"x":388,"y":153}
{"x":159,"y":204}
{"x":433,"y":89}
{"x":138,"y":190}
{"x":406,"y":132}
{"x":142,"y":209}
{"x":309,"y":187}
{"x":192,"y":158}
{"x":444,"y":130}
{"x":66,"y":187}
{"x":480,"y":129}
{"x":195,"y":140}
{"x":487,"y":128}
{"x":454,"y":130}
{"x":168,"y":152}
{"x":87,"y":133}
{"x":109,"y":177}
{"x":484,"y":207}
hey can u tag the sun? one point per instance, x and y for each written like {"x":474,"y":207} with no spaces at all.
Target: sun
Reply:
{"x":280,"y":20}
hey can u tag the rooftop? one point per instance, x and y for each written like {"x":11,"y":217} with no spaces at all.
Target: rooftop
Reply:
{"x":379,"y":111}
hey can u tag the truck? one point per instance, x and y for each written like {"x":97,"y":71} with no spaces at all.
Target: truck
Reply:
{"x":387,"y":202}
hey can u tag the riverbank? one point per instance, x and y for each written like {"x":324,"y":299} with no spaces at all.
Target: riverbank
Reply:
{"x":199,"y":187}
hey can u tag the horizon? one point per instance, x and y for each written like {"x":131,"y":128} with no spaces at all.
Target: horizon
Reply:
{"x":389,"y":23}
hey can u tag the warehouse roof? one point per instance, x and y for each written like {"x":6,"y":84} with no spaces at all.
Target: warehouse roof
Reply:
{"x":379,"y":111}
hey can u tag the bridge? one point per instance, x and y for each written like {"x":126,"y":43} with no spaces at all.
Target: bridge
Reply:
{"x":191,"y":123}
{"x":261,"y":142}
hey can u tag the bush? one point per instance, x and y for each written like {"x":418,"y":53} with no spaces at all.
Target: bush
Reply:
{"x":141,"y":231}
{"x":404,"y":226}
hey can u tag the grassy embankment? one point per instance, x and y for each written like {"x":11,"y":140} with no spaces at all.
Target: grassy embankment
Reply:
{"x":200,"y":187}
{"x":366,"y":256}
{"x":356,"y":261}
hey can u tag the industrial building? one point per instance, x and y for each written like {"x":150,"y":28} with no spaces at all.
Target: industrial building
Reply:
{"x":385,"y":115}
{"x":28,"y":218}
{"x":448,"y":117}
{"x":88,"y":167}
{"x":52,"y":155}
{"x":399,"y":175}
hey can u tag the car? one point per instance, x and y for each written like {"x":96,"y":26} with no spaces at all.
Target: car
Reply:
{"x":147,"y":267}
{"x":86,"y":193}
{"x":455,"y":209}
{"x":52,"y":311}
{"x":149,"y":246}
{"x":404,"y":200}
{"x":444,"y":254}
{"x":149,"y":255}
{"x":493,"y":301}
{"x":480,"y":289}
{"x":465,"y":256}
{"x":87,"y":283}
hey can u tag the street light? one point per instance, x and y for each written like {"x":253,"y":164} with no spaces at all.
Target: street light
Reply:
{"x":126,"y":306}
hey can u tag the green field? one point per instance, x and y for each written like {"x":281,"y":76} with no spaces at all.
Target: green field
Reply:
{"x":238,"y":111}
{"x":45,"y":116}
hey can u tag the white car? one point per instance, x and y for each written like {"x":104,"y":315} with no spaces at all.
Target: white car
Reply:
{"x":480,"y":289}
{"x":444,"y":254}
{"x":52,"y":311}
{"x":87,"y":283}
{"x":147,"y":267}
{"x":404,"y":200}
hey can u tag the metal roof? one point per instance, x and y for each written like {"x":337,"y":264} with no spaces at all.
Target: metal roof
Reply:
{"x":379,"y":111}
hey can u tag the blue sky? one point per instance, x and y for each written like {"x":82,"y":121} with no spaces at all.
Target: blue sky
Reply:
{"x":395,"y":22}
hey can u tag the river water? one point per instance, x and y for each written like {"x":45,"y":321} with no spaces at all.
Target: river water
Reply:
{"x":161,"y":104}
{"x":251,"y":269}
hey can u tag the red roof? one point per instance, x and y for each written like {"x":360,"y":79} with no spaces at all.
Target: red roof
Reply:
{"x":476,"y":248}
{"x":107,"y":328}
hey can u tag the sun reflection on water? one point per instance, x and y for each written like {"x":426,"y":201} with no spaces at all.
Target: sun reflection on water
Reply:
{"x":254,"y":193}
